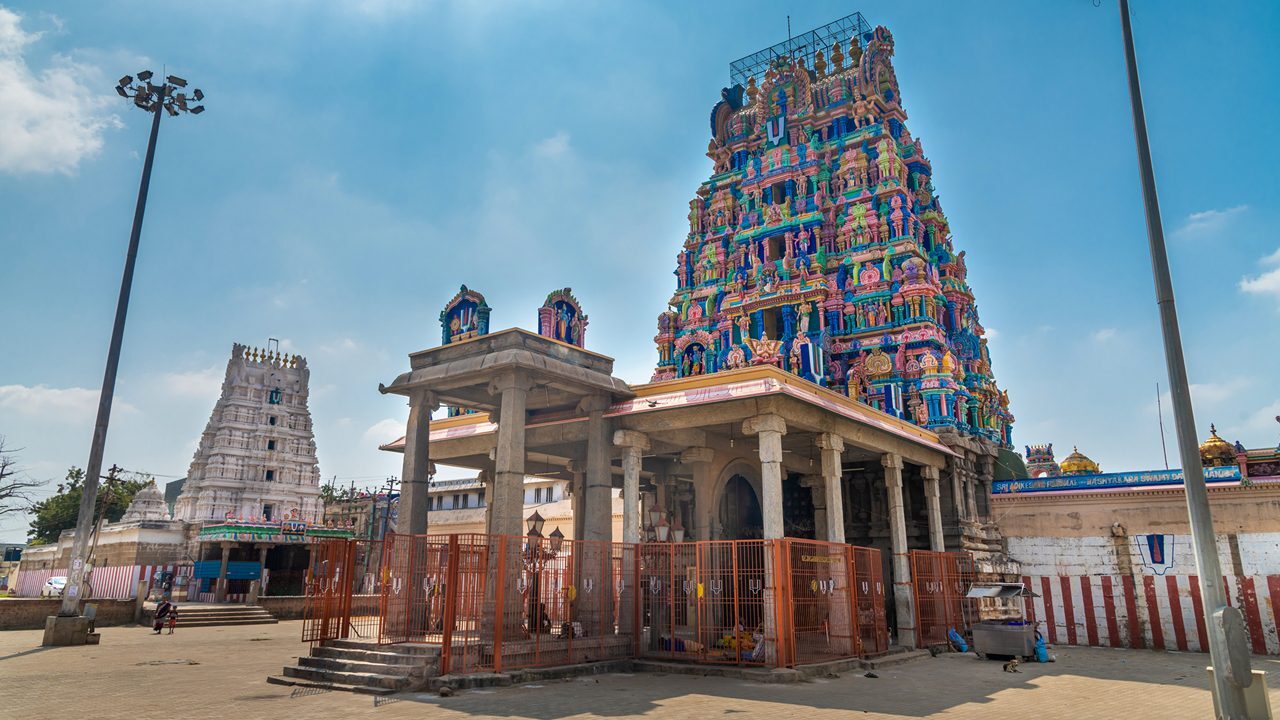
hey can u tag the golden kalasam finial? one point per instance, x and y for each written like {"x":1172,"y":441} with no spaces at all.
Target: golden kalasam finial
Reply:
{"x":752,"y":90}
{"x":855,"y":51}
{"x":820,"y":64}
{"x":837,"y":58}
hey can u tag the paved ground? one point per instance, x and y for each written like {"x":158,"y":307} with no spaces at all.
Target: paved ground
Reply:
{"x":220,"y":673}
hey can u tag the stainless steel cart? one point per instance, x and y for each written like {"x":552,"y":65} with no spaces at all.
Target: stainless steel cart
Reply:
{"x":998,"y":637}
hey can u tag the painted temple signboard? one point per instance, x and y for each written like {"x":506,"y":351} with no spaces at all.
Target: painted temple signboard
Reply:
{"x":1110,"y":481}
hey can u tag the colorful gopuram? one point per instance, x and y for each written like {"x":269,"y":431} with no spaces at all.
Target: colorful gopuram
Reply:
{"x":819,"y":246}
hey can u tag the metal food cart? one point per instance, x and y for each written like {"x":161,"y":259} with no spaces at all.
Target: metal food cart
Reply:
{"x":1007,"y":638}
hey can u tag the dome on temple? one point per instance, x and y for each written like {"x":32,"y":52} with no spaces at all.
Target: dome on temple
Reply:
{"x":1216,"y":452}
{"x":1078,"y":463}
{"x":147,"y":504}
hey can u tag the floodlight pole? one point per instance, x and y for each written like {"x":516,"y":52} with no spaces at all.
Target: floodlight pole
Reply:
{"x":1227,"y":651}
{"x":89,"y":490}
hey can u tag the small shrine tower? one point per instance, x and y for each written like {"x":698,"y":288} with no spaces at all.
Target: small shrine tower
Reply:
{"x":257,"y":457}
{"x":1040,"y":461}
{"x":561,"y":318}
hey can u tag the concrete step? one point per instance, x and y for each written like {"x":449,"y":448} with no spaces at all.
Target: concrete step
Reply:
{"x":895,"y":658}
{"x":355,"y":679}
{"x":185,"y":623}
{"x":372,"y":656}
{"x":357,"y":666}
{"x":402,"y":648}
{"x":321,"y":685}
{"x":220,"y":612}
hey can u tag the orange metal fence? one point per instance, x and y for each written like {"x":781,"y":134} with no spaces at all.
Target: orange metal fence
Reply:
{"x":939,"y":582}
{"x":496,"y":602}
{"x":342,"y":590}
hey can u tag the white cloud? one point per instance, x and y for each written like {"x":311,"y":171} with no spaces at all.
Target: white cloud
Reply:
{"x":1268,"y":283}
{"x":552,"y":147}
{"x":202,"y":384}
{"x":990,"y":333}
{"x":44,"y":402}
{"x":51,"y":118}
{"x":1104,"y":335}
{"x":1209,"y":223}
{"x":340,"y":346}
{"x":383,"y":431}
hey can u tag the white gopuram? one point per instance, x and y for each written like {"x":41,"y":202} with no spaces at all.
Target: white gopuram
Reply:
{"x":257,"y":457}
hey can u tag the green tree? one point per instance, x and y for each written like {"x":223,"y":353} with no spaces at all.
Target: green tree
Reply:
{"x":57,"y":513}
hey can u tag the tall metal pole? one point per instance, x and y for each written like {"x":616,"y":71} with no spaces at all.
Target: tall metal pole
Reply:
{"x":1221,"y":621}
{"x":84,"y":521}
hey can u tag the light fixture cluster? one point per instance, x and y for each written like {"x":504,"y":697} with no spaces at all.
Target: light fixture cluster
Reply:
{"x":660,"y":530}
{"x":170,"y":95}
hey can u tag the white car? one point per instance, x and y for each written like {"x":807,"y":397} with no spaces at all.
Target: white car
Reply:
{"x":54,"y":587}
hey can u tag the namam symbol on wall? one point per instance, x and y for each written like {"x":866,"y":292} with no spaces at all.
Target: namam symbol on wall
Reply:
{"x":1157,"y":552}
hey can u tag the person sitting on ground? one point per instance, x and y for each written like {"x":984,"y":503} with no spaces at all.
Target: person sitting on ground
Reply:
{"x":163,"y":608}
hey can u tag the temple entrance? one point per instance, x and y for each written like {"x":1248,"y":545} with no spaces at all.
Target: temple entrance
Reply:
{"x":740,"y":515}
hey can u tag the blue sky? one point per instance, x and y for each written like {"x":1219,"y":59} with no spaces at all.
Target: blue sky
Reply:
{"x":359,"y":160}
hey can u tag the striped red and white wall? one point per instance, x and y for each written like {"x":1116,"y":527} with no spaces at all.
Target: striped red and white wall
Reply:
{"x":1148,"y":611}
{"x":118,"y":583}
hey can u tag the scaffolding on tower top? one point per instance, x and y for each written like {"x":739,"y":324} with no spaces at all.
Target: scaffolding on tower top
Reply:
{"x":804,"y":45}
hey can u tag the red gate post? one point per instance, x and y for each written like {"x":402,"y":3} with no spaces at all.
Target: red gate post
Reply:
{"x":451,"y":593}
{"x":500,"y":606}
{"x":345,"y":585}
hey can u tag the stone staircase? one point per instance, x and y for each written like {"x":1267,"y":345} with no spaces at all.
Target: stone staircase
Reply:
{"x":363,"y":667}
{"x":190,"y":616}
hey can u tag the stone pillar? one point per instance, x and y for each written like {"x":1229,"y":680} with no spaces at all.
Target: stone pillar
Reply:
{"x":840,"y":601}
{"x":818,"y":495}
{"x":987,"y":467}
{"x":508,"y":482}
{"x":903,"y":600}
{"x":933,"y":505}
{"x":578,"y":469}
{"x":633,"y":445}
{"x":593,"y":563}
{"x":262,"y":567}
{"x":957,"y":488}
{"x":416,"y":469}
{"x":596,"y":502}
{"x":832,"y":446}
{"x":699,"y":458}
{"x":220,"y":589}
{"x":971,"y":504}
{"x":770,"y":429}
{"x":506,"y":514}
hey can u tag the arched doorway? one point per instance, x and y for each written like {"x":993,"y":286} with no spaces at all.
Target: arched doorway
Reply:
{"x":740,"y":515}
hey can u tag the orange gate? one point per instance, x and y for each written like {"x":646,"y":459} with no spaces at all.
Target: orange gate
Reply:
{"x":326,"y":609}
{"x":939,"y":582}
{"x":497,"y":602}
{"x":869,"y":599}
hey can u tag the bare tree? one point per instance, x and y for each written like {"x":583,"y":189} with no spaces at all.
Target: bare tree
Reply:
{"x":15,"y":486}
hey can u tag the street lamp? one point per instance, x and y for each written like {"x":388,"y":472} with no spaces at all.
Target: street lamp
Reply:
{"x":165,"y":97}
{"x":1228,"y":650}
{"x":534,"y":523}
